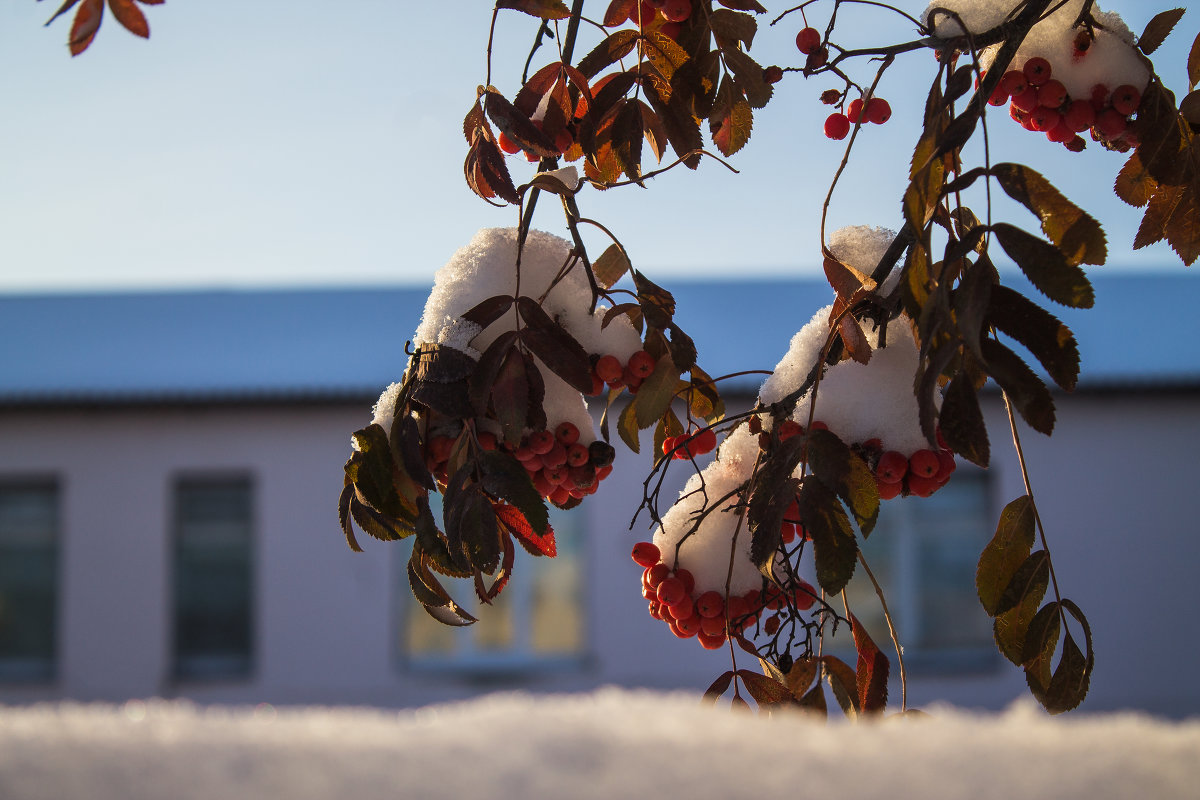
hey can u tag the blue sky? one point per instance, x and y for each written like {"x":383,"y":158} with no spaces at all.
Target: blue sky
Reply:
{"x":272,"y":143}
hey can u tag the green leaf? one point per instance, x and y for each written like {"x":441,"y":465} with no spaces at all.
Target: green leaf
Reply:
{"x":542,"y":9}
{"x":1026,"y":390}
{"x":1158,"y":29}
{"x":847,"y":475}
{"x":1046,"y":267}
{"x":961,"y":421}
{"x":835,"y":549}
{"x":1076,"y":233}
{"x":503,"y":477}
{"x":1051,"y":342}
{"x":1005,"y":553}
{"x":611,"y":266}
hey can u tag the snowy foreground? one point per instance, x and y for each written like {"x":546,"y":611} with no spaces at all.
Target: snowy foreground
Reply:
{"x":609,"y":744}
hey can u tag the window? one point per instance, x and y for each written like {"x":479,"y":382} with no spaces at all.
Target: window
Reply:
{"x":538,"y":620}
{"x":213,"y":572}
{"x":28,"y":579}
{"x":924,"y":552}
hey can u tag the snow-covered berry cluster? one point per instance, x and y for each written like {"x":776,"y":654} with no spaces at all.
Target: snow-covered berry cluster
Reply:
{"x":1064,"y":79}
{"x":564,"y":459}
{"x":703,"y":543}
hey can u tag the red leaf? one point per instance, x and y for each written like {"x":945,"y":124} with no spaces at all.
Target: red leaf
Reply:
{"x":872,"y":669}
{"x":87,"y":22}
{"x":64,"y":8}
{"x":515,"y":521}
{"x":131,"y":17}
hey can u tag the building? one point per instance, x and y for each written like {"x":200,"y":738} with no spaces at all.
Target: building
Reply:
{"x":155,"y":446}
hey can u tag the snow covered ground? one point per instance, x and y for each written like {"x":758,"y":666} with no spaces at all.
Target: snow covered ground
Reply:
{"x":609,"y":744}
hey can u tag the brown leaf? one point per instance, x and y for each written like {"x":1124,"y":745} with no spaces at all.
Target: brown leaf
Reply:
{"x":84,"y":26}
{"x":611,"y":266}
{"x":872,"y":672}
{"x":615,"y":46}
{"x":1046,"y":266}
{"x":542,"y":9}
{"x":1134,"y":184}
{"x":765,"y":691}
{"x":64,"y":8}
{"x":344,"y":517}
{"x":1075,"y":232}
{"x":1026,"y":390}
{"x":131,"y":17}
{"x":732,"y":120}
{"x":744,"y":5}
{"x":731,"y":27}
{"x":618,"y":12}
{"x":1158,"y":29}
{"x":516,"y":125}
{"x":1193,"y":64}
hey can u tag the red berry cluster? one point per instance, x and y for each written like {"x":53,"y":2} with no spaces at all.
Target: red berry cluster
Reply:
{"x":707,"y":615}
{"x":1041,"y":104}
{"x":560,"y":466}
{"x":921,"y":473}
{"x":608,"y":370}
{"x":673,"y":12}
{"x":875,"y":110}
{"x":690,"y":445}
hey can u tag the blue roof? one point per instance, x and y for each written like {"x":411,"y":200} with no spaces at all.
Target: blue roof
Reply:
{"x":343,"y":342}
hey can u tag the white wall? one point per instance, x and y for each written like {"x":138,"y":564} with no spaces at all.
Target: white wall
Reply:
{"x":1112,"y":486}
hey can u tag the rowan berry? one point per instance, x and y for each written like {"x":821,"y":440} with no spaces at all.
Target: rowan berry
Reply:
{"x":541,"y":442}
{"x":710,"y":604}
{"x":1126,"y":99}
{"x":677,"y":10}
{"x":837,"y":126}
{"x":1037,"y":71}
{"x":892,"y":467}
{"x":924,"y":463}
{"x":566,"y":433}
{"x":854,"y":109}
{"x":1052,"y":94}
{"x":808,"y":40}
{"x":577,"y":455}
{"x":609,"y":369}
{"x":877,"y":110}
{"x":671,"y":590}
{"x":646,"y":554}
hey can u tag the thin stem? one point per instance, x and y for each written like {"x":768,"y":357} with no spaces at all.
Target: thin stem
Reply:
{"x":887,"y":616}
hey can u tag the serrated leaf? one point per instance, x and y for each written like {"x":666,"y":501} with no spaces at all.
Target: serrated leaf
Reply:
{"x":535,"y":419}
{"x":627,"y":134}
{"x":732,"y":121}
{"x":1046,"y":267}
{"x":1193,"y":64}
{"x":64,"y":8}
{"x":1029,"y":578}
{"x":834,"y":546}
{"x":344,"y":517}
{"x":84,"y":26}
{"x":1158,"y":29}
{"x":1075,"y":232}
{"x":610,"y":267}
{"x":370,"y":469}
{"x":516,"y":125}
{"x":1051,"y":342}
{"x":1189,"y":107}
{"x":749,"y":74}
{"x":504,"y":478}
{"x":657,"y":391}
{"x":663,"y":52}
{"x":846,"y":474}
{"x":731,"y":27}
{"x":872,"y":671}
{"x":1026,"y":390}
{"x":959,"y":83}
{"x":961,"y":421}
{"x":618,"y":12}
{"x":717,"y":687}
{"x":488,"y":311}
{"x":844,"y":684}
{"x":744,"y":5}
{"x":130,"y":17}
{"x":683,"y":349}
{"x":628,"y":428}
{"x":924,"y":190}
{"x":538,"y":544}
{"x":658,"y":305}
{"x":614,"y":47}
{"x":683,"y":130}
{"x":765,"y":691}
{"x":436,"y":601}
{"x":511,"y":396}
{"x":542,"y":9}
{"x":1040,"y":643}
{"x":1011,"y":627}
{"x":814,"y":701}
{"x":800,"y":677}
{"x":853,"y":339}
{"x":557,"y":348}
{"x":704,"y":401}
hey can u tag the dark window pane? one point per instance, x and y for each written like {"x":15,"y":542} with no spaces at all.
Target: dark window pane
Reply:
{"x":213,"y":583}
{"x":28,"y":579}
